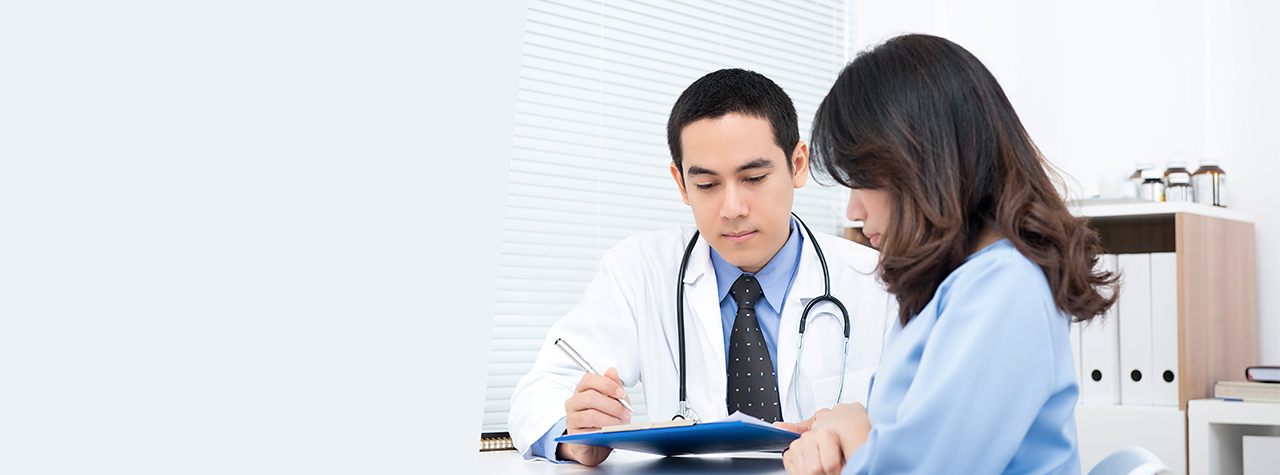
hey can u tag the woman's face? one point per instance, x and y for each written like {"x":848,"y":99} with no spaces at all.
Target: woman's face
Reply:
{"x":872,"y":208}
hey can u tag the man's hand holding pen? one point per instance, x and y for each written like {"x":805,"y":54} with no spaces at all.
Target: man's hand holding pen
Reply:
{"x":597,"y":402}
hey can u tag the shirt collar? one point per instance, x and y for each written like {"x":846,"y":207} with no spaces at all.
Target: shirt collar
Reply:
{"x":776,"y":276}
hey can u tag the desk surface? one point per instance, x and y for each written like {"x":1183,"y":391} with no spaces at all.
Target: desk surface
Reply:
{"x":624,"y":462}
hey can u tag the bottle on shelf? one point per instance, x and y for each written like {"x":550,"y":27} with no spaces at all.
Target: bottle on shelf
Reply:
{"x":1177,"y":182}
{"x":1209,"y":184}
{"x":1152,"y":188}
{"x":1135,"y":180}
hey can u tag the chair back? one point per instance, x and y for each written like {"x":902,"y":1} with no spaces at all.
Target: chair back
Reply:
{"x":1131,"y":461}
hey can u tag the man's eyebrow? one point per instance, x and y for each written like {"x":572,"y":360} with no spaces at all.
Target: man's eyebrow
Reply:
{"x":757,"y":163}
{"x":697,"y":170}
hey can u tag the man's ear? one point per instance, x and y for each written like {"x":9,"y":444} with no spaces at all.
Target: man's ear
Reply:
{"x":800,"y":164}
{"x":675,"y":174}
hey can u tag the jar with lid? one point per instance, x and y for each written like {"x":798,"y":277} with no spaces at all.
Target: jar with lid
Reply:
{"x":1152,"y":188}
{"x":1209,"y":184}
{"x":1135,"y":180}
{"x":1177,"y":182}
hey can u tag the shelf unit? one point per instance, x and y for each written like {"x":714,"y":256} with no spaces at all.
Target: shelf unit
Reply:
{"x":1216,"y":431}
{"x":1217,"y":281}
{"x":1217,"y":316}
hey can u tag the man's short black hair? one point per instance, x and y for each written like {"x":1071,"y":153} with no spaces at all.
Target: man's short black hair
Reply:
{"x":734,"y":91}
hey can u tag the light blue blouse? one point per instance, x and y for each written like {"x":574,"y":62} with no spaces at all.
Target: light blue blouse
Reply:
{"x":981,"y":381}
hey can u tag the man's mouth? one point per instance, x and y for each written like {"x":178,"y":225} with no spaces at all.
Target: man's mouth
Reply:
{"x":739,"y":236}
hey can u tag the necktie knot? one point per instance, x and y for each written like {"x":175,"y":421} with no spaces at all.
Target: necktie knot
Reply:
{"x":746,"y":291}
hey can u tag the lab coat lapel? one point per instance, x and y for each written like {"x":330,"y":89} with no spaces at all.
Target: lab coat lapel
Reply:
{"x":808,"y":284}
{"x":702,"y":293}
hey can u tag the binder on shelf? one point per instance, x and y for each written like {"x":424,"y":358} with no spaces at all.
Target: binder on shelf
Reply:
{"x":1100,"y":352}
{"x":1164,"y":329}
{"x":736,"y":433}
{"x":1135,"y":329}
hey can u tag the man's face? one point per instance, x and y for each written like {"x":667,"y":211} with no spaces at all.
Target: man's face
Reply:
{"x":737,"y":182}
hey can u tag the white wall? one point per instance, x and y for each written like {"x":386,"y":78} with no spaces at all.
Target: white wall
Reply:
{"x":1101,"y":85}
{"x":231,"y":235}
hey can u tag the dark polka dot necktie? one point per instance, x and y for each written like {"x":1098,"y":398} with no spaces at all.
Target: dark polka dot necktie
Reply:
{"x":753,"y":386}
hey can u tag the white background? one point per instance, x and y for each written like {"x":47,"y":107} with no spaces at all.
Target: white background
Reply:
{"x":231,"y":238}
{"x":1102,"y":85}
{"x":249,"y":236}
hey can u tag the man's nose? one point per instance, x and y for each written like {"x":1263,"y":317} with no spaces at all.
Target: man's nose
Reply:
{"x":735,"y":203}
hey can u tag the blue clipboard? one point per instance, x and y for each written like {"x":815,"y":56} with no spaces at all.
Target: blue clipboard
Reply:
{"x":701,"y":438}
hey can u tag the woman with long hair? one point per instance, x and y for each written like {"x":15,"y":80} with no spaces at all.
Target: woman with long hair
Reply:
{"x":987,"y":264}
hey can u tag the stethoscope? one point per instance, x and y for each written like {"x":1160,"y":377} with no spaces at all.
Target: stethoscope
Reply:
{"x":686,"y":412}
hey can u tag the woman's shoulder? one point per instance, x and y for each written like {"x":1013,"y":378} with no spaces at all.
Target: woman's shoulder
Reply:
{"x":998,"y":270}
{"x":998,"y":288}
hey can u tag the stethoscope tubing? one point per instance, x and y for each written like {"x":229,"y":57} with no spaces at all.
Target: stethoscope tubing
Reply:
{"x":685,"y":412}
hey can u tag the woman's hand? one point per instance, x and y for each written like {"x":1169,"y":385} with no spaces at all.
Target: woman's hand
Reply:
{"x":826,"y":440}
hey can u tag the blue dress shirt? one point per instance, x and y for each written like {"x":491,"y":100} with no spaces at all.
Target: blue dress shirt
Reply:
{"x":775,"y":280}
{"x":981,"y":381}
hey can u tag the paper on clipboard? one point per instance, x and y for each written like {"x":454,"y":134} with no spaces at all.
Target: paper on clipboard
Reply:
{"x":737,"y":433}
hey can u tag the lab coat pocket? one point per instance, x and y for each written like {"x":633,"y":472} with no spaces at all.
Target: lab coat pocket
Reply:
{"x":825,"y":391}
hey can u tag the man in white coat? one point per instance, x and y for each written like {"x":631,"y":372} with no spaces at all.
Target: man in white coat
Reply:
{"x":737,"y":161}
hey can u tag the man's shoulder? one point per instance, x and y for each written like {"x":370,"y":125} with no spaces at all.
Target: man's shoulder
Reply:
{"x":843,"y":252}
{"x":658,"y":241}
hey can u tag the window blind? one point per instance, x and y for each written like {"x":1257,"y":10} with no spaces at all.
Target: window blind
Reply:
{"x":589,"y":162}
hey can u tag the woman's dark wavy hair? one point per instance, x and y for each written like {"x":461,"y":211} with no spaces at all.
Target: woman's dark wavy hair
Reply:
{"x":922,"y":117}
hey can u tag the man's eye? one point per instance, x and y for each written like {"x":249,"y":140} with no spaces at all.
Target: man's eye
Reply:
{"x":705,"y":186}
{"x":757,"y":178}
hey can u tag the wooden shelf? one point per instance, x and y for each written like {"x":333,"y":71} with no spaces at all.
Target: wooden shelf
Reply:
{"x":1217,"y":287}
{"x":1132,"y":208}
{"x":1217,"y":296}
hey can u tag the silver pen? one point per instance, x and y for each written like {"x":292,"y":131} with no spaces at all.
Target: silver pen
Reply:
{"x":573,"y":355}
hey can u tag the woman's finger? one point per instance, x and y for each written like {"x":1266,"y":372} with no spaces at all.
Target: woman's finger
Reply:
{"x":830,"y":456}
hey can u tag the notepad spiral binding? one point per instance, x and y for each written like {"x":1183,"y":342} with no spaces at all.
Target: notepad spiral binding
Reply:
{"x":495,"y":441}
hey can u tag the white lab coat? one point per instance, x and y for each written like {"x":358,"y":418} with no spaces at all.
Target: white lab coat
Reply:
{"x":627,"y":320}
